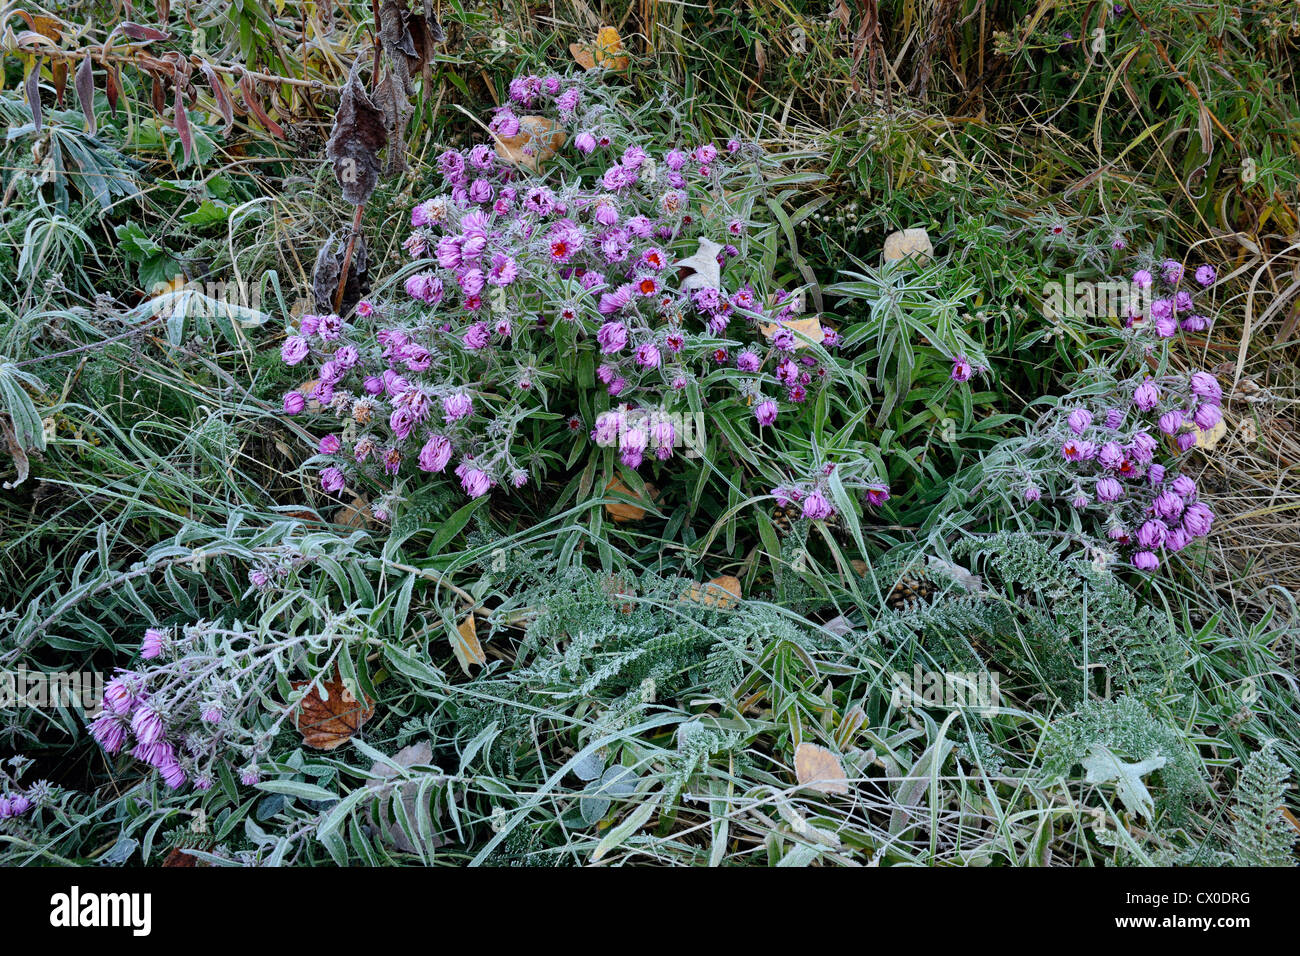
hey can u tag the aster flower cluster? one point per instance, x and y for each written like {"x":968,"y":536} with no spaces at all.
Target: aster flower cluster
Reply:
{"x":19,"y":802}
{"x":192,"y":705}
{"x":815,"y":498}
{"x":1116,"y":460}
{"x":1165,"y":300}
{"x":613,"y":268}
{"x":14,"y":805}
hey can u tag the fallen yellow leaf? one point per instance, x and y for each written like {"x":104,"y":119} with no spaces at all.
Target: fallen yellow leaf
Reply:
{"x":723,"y":592}
{"x":622,"y":511}
{"x":467,"y":647}
{"x":810,"y":327}
{"x":607,"y":53}
{"x":537,"y":141}
{"x":817,"y":768}
{"x":1207,"y":439}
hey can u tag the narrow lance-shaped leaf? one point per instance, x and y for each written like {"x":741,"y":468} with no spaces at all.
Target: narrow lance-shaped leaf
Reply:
{"x":112,"y":86}
{"x":219,"y":95}
{"x":84,"y":82}
{"x":255,"y":107}
{"x":142,"y":33}
{"x":32,"y":85}
{"x":183,"y":123}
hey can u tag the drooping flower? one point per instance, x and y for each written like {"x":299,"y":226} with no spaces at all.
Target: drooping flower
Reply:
{"x":1168,"y":506}
{"x":295,"y":349}
{"x":1207,"y":416}
{"x":1197,"y":519}
{"x":109,"y":732}
{"x":1108,"y":489}
{"x":1145,"y":560}
{"x":152,"y":646}
{"x":612,"y":337}
{"x":476,"y":482}
{"x":332,"y":480}
{"x":1079,"y":420}
{"x":294,"y":402}
{"x":1171,"y":423}
{"x":456,"y":406}
{"x":816,"y":507}
{"x":435,"y":454}
{"x":1206,"y":387}
{"x":765,"y":412}
{"x":1146,"y":396}
{"x":1152,"y":534}
{"x":147,"y":725}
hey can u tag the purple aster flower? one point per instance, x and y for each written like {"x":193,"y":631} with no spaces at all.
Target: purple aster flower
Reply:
{"x":456,"y":406}
{"x":147,"y":725}
{"x":109,"y":732}
{"x":961,"y":369}
{"x":647,"y":355}
{"x":1111,"y":455}
{"x":332,"y":480}
{"x":1078,"y":449}
{"x":1206,"y":387}
{"x":295,"y":349}
{"x":1108,"y":489}
{"x":1207,"y":416}
{"x":1079,"y":420}
{"x":1205,"y":275}
{"x":612,"y":337}
{"x":476,"y":336}
{"x":154,"y":641}
{"x":476,"y":482}
{"x":172,"y":775}
{"x":1145,"y":561}
{"x":435,"y":454}
{"x":1168,"y":506}
{"x":1152,"y":534}
{"x":1177,"y":539}
{"x":1146,"y":396}
{"x":294,"y":402}
{"x":1197,"y":520}
{"x":816,"y":507}
{"x":663,"y":436}
{"x":1171,"y":423}
{"x":608,"y":425}
{"x":766,"y":412}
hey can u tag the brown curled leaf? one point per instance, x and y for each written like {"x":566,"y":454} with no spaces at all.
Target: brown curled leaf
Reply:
{"x":219,"y":95}
{"x":358,"y":135}
{"x":142,"y":33}
{"x":182,"y":120}
{"x":255,"y":107}
{"x":112,"y":86}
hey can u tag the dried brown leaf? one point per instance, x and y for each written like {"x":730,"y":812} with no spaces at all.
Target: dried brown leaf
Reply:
{"x":817,"y":768}
{"x":326,"y":724}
